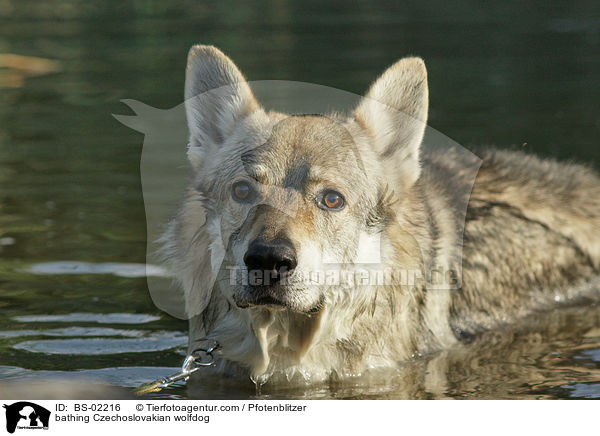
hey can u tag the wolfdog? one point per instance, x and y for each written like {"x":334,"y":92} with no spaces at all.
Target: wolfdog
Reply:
{"x":276,"y":197}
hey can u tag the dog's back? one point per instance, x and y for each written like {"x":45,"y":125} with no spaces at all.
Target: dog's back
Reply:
{"x":531,"y":238}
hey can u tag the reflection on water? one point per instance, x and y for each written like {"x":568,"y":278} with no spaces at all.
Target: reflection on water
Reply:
{"x":101,"y":318}
{"x":72,"y":225}
{"x":131,"y":377}
{"x":550,"y":355}
{"x":91,"y":346}
{"x":73,"y":331}
{"x":116,"y":268}
{"x":553,"y":356}
{"x":14,"y":69}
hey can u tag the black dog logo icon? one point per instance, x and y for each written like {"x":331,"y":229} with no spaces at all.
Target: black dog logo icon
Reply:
{"x":30,"y":414}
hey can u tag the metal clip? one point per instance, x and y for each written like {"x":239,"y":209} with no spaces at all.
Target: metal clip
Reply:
{"x":191,"y":364}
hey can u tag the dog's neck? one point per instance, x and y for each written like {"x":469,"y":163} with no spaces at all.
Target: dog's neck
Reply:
{"x":262,"y":342}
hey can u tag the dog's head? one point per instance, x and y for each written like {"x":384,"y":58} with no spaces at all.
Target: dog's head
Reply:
{"x":289,"y":197}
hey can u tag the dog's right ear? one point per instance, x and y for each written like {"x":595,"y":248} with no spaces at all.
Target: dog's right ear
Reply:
{"x":216,"y":97}
{"x":394,"y":112}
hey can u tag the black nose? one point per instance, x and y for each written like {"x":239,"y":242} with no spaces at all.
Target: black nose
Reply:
{"x":272,"y":258}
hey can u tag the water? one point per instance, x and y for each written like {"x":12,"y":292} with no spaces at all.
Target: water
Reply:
{"x":73,"y":299}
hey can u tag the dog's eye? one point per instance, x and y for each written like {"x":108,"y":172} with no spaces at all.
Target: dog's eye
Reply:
{"x":241,"y":191}
{"x":332,"y":200}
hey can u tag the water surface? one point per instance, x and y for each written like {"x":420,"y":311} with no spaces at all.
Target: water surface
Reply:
{"x":73,"y":296}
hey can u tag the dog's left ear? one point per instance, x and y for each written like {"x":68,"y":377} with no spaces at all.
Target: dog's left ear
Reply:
{"x":394,"y":113}
{"x":217,"y":96}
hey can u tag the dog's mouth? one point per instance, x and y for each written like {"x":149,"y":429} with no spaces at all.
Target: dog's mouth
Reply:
{"x":266,"y":300}
{"x":271,"y":297}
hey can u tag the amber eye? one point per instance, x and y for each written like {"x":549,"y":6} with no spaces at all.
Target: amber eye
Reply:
{"x":332,"y":200}
{"x":241,"y":191}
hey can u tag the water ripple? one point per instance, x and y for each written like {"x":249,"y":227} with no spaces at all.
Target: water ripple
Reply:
{"x":104,"y":346}
{"x":100,"y":318}
{"x":130,"y":270}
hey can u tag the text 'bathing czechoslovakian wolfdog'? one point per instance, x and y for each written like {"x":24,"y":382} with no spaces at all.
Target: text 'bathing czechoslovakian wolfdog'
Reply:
{"x":278,"y":199}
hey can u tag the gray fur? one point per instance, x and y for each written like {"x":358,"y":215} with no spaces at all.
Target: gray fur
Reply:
{"x":531,"y":237}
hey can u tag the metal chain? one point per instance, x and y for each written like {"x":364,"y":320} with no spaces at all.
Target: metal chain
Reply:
{"x":192,"y":363}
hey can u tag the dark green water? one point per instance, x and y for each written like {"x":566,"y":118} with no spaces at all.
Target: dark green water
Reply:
{"x":507,"y":75}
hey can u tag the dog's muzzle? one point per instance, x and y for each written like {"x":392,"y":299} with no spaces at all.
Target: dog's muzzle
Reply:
{"x":268,"y":264}
{"x":270,"y":261}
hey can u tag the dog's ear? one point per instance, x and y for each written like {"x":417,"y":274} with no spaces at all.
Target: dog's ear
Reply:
{"x":216,"y":96}
{"x":394,"y":113}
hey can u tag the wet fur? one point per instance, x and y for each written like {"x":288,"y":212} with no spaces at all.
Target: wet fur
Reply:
{"x":531,"y":235}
